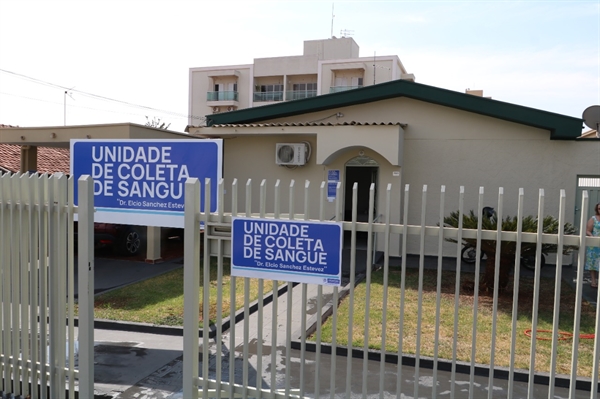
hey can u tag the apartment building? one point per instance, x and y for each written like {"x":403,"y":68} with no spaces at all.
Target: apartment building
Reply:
{"x":326,"y":66}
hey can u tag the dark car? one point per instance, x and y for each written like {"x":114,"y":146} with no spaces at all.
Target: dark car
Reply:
{"x":125,"y":240}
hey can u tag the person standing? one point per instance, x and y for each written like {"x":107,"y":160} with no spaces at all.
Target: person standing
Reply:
{"x":592,"y":253}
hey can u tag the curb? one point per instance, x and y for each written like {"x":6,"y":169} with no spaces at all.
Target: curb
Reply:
{"x":311,"y":323}
{"x":114,"y":325}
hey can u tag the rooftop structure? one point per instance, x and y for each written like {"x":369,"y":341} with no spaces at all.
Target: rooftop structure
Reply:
{"x":326,"y":66}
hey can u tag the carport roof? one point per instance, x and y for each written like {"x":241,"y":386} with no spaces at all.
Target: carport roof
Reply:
{"x":561,"y":127}
{"x":60,"y":136}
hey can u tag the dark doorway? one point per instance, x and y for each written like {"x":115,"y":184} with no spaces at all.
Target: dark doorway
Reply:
{"x":364,"y":176}
{"x":363,"y":171}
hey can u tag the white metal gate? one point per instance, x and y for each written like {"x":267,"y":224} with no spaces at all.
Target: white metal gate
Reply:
{"x":226,"y":356}
{"x":37,"y":348}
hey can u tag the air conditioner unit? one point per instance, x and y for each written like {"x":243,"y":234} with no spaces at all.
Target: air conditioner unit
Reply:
{"x":290,"y":153}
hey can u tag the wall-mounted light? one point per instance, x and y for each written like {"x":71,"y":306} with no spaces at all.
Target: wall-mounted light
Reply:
{"x":22,"y":137}
{"x":53,"y":135}
{"x":88,"y":136}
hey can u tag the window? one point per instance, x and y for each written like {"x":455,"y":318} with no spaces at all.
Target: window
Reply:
{"x":268,"y":92}
{"x":348,"y":81}
{"x":270,"y":88}
{"x":304,"y":86}
{"x":589,"y":182}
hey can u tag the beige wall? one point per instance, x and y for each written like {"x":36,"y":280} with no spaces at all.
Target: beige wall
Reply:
{"x":200,"y":83}
{"x":294,"y":65}
{"x":60,"y":136}
{"x":386,"y":68}
{"x":320,"y":58}
{"x":334,"y":48}
{"x":250,"y":153}
{"x":253,"y":157}
{"x":269,"y":80}
{"x":446,"y":146}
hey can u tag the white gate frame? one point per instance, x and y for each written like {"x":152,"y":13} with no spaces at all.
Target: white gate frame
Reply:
{"x":37,"y":283}
{"x":217,"y":387}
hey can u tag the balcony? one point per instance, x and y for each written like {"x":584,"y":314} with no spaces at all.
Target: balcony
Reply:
{"x":260,"y":96}
{"x":299,"y":94}
{"x":337,"y":89}
{"x":222,"y":96}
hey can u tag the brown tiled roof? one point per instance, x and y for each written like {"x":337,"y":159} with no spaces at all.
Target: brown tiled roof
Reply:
{"x":10,"y":156}
{"x":49,"y":160}
{"x":300,"y":124}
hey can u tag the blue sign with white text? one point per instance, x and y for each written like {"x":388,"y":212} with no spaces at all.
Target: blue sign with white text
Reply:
{"x":333,"y":175}
{"x":331,"y":189}
{"x":143,"y":181}
{"x":290,"y":250}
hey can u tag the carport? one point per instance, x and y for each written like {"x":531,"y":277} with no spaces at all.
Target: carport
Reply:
{"x":30,"y":138}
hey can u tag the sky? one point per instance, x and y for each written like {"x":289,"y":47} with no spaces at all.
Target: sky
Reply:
{"x":129,"y":60}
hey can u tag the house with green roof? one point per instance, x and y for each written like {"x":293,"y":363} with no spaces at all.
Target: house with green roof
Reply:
{"x":401,"y":133}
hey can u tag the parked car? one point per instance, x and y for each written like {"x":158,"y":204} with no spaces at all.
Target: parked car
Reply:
{"x":125,"y":240}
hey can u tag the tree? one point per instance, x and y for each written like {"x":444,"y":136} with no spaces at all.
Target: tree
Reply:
{"x":156,"y":123}
{"x":508,"y":249}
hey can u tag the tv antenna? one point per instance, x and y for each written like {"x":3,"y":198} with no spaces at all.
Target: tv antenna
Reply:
{"x":346,"y":32}
{"x":70,"y":94}
{"x":591,"y":117}
{"x":332,"y":4}
{"x":376,"y":66}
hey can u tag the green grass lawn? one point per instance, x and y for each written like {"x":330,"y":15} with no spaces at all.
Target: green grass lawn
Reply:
{"x":465,"y":317}
{"x":159,"y":300}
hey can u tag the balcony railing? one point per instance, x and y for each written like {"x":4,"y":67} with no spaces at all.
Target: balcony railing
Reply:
{"x":222,"y":96}
{"x":337,"y":89}
{"x":268,"y":96}
{"x":298,"y":94}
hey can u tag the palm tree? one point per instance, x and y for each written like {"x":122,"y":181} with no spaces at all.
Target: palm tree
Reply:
{"x":508,"y":249}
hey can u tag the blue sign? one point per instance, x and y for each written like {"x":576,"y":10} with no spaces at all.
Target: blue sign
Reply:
{"x":290,"y":250}
{"x":143,"y":181}
{"x":333,"y":175}
{"x":331,"y":189}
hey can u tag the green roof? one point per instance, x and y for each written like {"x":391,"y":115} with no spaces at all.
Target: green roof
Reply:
{"x":561,"y":127}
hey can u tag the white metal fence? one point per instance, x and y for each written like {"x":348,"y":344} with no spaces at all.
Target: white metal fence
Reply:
{"x":37,"y":279}
{"x":226,"y":358}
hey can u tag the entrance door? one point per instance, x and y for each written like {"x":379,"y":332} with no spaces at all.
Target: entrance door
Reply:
{"x":364,"y":171}
{"x":592,"y":185}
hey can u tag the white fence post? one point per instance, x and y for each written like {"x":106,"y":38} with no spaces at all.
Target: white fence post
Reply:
{"x":205,"y":289}
{"x":85,"y":260}
{"x":191,"y":274}
{"x":579,"y":292}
